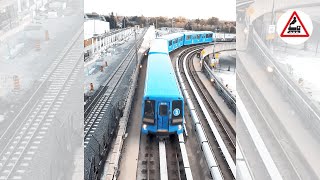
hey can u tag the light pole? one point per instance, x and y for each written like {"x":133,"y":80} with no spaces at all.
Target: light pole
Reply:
{"x":272,"y":20}
{"x":124,"y":22}
{"x":214,"y":42}
{"x":272,"y":16}
{"x":172,"y":24}
{"x":156,"y":23}
{"x":135,"y":44}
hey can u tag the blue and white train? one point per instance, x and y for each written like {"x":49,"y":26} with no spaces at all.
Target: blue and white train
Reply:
{"x":162,"y":105}
{"x":177,"y":40}
{"x":163,"y":102}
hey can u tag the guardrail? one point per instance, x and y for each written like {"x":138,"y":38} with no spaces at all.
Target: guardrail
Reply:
{"x":298,"y":100}
{"x":222,"y":90}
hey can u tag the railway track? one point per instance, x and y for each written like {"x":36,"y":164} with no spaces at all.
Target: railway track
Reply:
{"x":220,"y":120}
{"x":27,"y":130}
{"x":160,"y":159}
{"x":96,"y":108}
{"x":218,"y":131}
{"x":149,"y":167}
{"x":174,"y":159}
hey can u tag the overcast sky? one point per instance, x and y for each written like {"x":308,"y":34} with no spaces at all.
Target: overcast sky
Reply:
{"x":223,"y":9}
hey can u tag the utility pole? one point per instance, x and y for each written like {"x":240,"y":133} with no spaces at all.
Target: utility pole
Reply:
{"x":172,"y":23}
{"x":135,"y":44}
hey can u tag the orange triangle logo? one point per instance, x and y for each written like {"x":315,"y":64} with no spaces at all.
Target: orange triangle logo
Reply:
{"x":290,"y":31}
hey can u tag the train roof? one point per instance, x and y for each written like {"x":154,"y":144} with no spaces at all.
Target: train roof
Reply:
{"x":160,"y":79}
{"x":159,"y":46}
{"x":198,"y":32}
{"x":171,"y":36}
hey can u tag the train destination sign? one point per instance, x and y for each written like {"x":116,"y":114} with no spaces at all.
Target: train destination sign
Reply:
{"x":294,"y":27}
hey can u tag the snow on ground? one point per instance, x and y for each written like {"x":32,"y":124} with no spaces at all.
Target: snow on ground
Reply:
{"x":227,"y":78}
{"x":115,"y":55}
{"x":305,"y":72}
{"x":226,"y":71}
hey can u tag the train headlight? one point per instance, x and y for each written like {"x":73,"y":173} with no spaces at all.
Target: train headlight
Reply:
{"x":144,"y":126}
{"x":179,"y":127}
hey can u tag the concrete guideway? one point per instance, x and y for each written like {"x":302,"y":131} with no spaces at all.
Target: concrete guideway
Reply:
{"x":227,"y":155}
{"x":306,"y":143}
{"x":243,"y":171}
{"x":261,"y":147}
{"x":207,"y":150}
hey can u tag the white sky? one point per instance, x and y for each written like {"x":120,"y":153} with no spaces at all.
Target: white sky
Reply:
{"x":223,"y":9}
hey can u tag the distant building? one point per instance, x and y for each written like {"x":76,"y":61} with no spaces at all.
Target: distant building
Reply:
{"x":94,"y":25}
{"x":12,"y":11}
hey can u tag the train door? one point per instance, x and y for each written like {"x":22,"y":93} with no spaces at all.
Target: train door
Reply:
{"x":163,"y":116}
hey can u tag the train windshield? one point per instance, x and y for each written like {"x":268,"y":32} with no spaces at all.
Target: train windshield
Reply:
{"x":163,"y":109}
{"x":149,"y":108}
{"x":177,"y":109}
{"x":209,"y":35}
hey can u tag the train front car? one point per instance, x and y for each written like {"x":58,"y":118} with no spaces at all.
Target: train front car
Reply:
{"x":163,"y":103}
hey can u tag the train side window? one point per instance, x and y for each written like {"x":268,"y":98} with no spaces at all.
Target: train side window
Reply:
{"x":176,"y":109}
{"x":188,"y":37}
{"x":163,"y":109}
{"x":170,"y":43}
{"x":175,"y":41}
{"x":181,"y":39}
{"x":198,"y":36}
{"x":209,"y":35}
{"x":149,"y":108}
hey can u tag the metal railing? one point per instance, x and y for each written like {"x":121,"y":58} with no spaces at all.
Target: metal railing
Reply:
{"x":297,"y":98}
{"x":222,"y":90}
